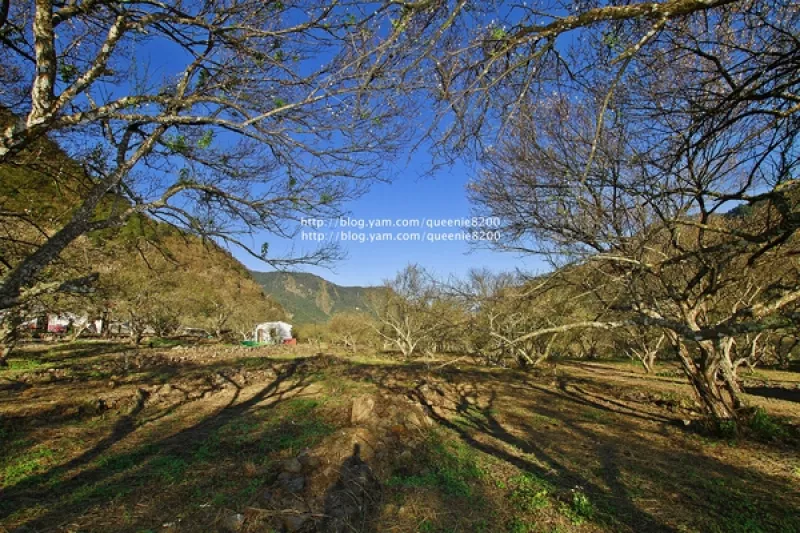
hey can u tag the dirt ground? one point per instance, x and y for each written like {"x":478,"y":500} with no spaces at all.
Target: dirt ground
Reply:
{"x":100,"y":437}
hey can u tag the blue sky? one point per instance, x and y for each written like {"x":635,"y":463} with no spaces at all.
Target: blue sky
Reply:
{"x":411,"y":195}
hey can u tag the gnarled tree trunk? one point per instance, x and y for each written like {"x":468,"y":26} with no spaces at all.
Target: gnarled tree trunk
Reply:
{"x":713,"y":382}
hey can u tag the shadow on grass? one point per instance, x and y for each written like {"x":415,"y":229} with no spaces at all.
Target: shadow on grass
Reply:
{"x":352,"y":503}
{"x":778,"y":393}
{"x":603,"y":461}
{"x":63,"y":494}
{"x":595,"y":445}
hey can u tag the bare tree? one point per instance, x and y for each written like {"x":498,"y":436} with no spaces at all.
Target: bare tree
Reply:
{"x":487,"y":67}
{"x":352,"y":330}
{"x":403,"y":310}
{"x":635,"y":179}
{"x":218,"y":117}
{"x":644,"y":344}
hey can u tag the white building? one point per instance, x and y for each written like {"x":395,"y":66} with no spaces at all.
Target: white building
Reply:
{"x":272,"y":332}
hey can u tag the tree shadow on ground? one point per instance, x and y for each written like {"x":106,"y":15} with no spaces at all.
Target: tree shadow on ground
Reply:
{"x":778,"y":393}
{"x":66,"y":494}
{"x":640,"y":469}
{"x":71,"y":351}
{"x":628,"y":461}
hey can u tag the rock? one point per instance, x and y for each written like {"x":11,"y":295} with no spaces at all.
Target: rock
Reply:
{"x":295,"y":522}
{"x":309,"y":461}
{"x":292,"y":465}
{"x":233,"y":522}
{"x":292,"y":484}
{"x":361,"y":410}
{"x":418,"y":420}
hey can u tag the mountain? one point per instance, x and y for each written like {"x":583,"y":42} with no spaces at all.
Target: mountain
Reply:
{"x":143,"y":267}
{"x":310,"y":298}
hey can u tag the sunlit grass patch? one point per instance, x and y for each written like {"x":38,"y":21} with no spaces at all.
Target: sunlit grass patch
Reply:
{"x":16,"y":364}
{"x":19,"y":468}
{"x":579,"y":509}
{"x":529,"y":492}
{"x":446,"y":465}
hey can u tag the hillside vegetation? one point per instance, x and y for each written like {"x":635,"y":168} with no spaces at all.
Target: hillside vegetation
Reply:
{"x":311,"y":299}
{"x":145,"y":273}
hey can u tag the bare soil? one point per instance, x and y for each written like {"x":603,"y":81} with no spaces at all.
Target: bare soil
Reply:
{"x":101,"y":437}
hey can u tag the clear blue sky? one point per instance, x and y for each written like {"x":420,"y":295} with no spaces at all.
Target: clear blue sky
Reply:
{"x":411,"y":195}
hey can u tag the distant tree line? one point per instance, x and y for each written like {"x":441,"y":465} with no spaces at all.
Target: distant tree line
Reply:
{"x":575,"y":312}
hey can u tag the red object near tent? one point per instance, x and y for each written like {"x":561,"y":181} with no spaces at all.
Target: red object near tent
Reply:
{"x":289,"y":341}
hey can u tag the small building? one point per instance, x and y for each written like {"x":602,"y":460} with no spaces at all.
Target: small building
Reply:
{"x":273,"y":332}
{"x":61,"y":323}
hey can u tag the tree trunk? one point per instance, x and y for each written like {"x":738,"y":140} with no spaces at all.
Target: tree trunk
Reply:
{"x":25,"y":272}
{"x":9,"y":335}
{"x":703,"y":378}
{"x":136,"y":334}
{"x":647,"y":365}
{"x":728,"y":373}
{"x":78,"y":331}
{"x":406,"y":348}
{"x":104,"y":329}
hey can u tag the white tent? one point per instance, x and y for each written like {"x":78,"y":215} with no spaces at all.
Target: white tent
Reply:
{"x":272,"y":332}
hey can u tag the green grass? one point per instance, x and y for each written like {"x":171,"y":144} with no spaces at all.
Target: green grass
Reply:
{"x":518,"y":525}
{"x":159,"y":342}
{"x":252,"y":437}
{"x":22,"y":365}
{"x":766,"y":427}
{"x":597,"y":416}
{"x":736,"y":511}
{"x":100,"y":492}
{"x":580,"y":508}
{"x":447,"y":466}
{"x":125,"y":461}
{"x":26,"y":465}
{"x":168,"y":468}
{"x":758,"y":425}
{"x":287,"y":428}
{"x":529,"y":493}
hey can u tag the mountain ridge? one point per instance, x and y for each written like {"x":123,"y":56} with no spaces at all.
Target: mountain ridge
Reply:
{"x":311,"y":299}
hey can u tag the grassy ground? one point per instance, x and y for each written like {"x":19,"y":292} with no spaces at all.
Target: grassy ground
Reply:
{"x":99,"y":437}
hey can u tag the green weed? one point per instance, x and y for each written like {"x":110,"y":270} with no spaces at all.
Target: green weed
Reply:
{"x":530,"y":492}
{"x":448,"y":466}
{"x":26,"y":465}
{"x":580,"y":508}
{"x":168,"y":468}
